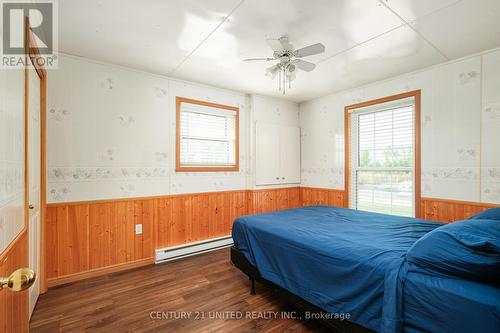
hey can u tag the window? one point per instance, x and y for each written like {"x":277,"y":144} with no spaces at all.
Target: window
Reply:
{"x":207,"y":136}
{"x":382,"y":157}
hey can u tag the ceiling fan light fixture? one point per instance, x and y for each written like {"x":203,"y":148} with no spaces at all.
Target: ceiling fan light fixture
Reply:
{"x":285,"y":53}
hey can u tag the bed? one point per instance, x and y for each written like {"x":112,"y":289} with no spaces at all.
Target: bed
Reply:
{"x":352,"y":262}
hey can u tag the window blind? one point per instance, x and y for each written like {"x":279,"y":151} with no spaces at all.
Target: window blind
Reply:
{"x":207,"y":136}
{"x":383,"y":160}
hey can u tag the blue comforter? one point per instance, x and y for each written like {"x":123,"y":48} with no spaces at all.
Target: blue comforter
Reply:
{"x":341,"y":260}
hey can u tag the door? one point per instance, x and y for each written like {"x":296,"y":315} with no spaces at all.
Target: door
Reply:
{"x":13,"y":232}
{"x":15,"y":190}
{"x":290,"y":154}
{"x":14,"y":301}
{"x":34,"y":181}
{"x":267,"y":149}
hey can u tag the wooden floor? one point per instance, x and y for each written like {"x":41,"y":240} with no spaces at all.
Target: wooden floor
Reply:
{"x":204,"y":285}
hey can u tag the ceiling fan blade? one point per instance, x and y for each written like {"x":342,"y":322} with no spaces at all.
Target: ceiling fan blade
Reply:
{"x":285,"y":44}
{"x":275,"y":44}
{"x":310,"y":50}
{"x":304,"y":65}
{"x":259,"y":59}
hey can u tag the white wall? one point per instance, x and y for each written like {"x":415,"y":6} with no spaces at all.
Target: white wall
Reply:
{"x":111,"y":133}
{"x":11,"y":155}
{"x":460,"y":123}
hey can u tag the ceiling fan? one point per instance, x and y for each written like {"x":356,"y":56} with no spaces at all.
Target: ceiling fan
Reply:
{"x":289,"y":60}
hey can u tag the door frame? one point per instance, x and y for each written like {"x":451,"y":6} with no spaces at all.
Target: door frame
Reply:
{"x":33,"y":53}
{"x":416,"y":95}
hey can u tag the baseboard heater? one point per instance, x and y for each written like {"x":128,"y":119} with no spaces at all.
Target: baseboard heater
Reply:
{"x":191,"y":249}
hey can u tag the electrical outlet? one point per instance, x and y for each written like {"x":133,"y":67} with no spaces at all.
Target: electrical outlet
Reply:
{"x":138,"y":229}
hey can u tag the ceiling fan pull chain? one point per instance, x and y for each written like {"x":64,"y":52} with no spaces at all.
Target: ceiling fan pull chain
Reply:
{"x":280,"y":80}
{"x":284,"y":80}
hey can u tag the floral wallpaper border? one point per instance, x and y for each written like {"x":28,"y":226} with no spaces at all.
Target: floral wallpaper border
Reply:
{"x":450,"y":173}
{"x":75,"y":174}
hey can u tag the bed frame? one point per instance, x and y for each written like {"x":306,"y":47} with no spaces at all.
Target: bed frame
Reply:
{"x":239,"y":260}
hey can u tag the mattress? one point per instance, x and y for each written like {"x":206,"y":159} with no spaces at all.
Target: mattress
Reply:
{"x":440,"y":304}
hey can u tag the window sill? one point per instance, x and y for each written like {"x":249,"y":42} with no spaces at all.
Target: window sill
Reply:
{"x":207,"y":169}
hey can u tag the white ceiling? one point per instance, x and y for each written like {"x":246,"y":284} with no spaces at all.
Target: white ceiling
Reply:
{"x":206,"y":40}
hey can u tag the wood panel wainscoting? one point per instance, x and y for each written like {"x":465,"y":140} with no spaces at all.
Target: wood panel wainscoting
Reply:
{"x":12,"y":305}
{"x":86,"y":239}
{"x":444,"y":210}
{"x":263,"y":201}
{"x":313,"y":196}
{"x":194,"y":217}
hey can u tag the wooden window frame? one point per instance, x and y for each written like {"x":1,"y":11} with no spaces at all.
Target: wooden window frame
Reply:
{"x":178,"y":166}
{"x":416,"y":94}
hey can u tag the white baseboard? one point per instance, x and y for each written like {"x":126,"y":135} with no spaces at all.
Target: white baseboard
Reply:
{"x":191,"y":249}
